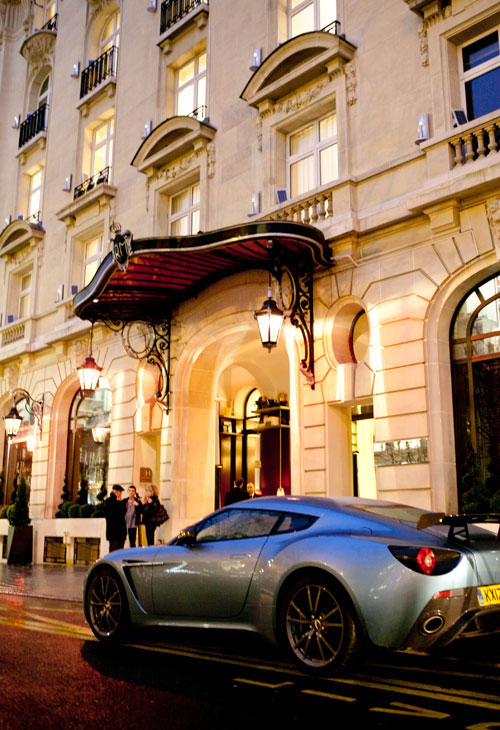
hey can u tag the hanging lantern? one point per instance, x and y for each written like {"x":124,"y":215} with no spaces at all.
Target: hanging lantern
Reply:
{"x":99,"y":434}
{"x":270,"y":319}
{"x":12,"y":422}
{"x":89,"y":372}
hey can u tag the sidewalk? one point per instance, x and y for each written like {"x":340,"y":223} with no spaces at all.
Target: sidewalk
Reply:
{"x":62,"y":582}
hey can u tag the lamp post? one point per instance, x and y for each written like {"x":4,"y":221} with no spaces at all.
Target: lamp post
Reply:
{"x":89,"y":371}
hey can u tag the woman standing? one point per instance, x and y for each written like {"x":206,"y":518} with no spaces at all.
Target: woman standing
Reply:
{"x":132,"y":514}
{"x":151,"y":505}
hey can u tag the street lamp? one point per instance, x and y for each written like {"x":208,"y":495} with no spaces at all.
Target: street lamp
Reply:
{"x":270,"y":319}
{"x":34,"y":407}
{"x":12,"y":422}
{"x":89,"y":371}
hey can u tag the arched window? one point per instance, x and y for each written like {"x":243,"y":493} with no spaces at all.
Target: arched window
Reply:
{"x":44,"y":92}
{"x":475,"y":354}
{"x":110,"y":35}
{"x":88,"y":442}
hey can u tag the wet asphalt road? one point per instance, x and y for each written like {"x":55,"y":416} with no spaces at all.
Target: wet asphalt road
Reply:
{"x":53,"y":674}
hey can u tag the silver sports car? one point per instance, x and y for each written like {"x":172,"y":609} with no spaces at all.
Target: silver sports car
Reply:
{"x":320,"y":576}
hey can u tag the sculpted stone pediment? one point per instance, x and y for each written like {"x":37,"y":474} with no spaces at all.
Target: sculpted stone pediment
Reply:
{"x":295,"y":63}
{"x":18,"y":235}
{"x":170,"y":140}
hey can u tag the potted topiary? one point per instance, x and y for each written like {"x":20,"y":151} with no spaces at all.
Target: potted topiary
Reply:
{"x":20,"y":537}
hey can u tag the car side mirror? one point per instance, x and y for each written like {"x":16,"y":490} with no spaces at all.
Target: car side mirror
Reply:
{"x":186,"y":536}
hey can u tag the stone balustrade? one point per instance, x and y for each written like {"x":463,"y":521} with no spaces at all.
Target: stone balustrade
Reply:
{"x":13,"y":333}
{"x":476,"y":142}
{"x":309,"y":210}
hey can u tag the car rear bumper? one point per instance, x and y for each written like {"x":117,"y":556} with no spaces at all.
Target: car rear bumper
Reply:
{"x":448,"y":617}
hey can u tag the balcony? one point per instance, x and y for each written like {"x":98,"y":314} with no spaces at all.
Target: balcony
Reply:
{"x":173,"y":11}
{"x":100,"y":178}
{"x":33,"y":124}
{"x":475,"y":143}
{"x":312,"y":209}
{"x":104,"y":67}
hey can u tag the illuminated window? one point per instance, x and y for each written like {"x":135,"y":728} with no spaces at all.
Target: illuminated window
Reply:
{"x":110,"y":35}
{"x":185,"y":212}
{"x":35,"y":195}
{"x":24,"y":295}
{"x":102,"y":147}
{"x":308,"y":15}
{"x":313,"y":156}
{"x":192,"y":87}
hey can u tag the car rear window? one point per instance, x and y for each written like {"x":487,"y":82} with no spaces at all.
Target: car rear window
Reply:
{"x":401,"y":512}
{"x":294,"y":523}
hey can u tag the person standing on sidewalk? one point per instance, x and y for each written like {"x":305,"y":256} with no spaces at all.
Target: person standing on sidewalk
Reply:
{"x":151,"y":505}
{"x":132,"y":514}
{"x":116,"y":527}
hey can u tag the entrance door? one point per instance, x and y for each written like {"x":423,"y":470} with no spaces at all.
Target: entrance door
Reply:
{"x":363,"y":432}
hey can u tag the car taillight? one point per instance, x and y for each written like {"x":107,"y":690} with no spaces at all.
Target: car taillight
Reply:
{"x":426,"y":560}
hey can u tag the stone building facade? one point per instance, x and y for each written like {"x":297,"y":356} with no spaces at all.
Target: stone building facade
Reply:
{"x":379,"y":128}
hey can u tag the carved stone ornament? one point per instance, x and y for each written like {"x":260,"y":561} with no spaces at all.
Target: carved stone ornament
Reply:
{"x":424,"y":43}
{"x":493,"y":213}
{"x":170,"y":173}
{"x":97,"y":6}
{"x":211,"y":159}
{"x":39,"y":49}
{"x":351,"y":83}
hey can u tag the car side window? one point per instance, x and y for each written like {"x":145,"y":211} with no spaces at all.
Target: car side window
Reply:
{"x":294,"y":523}
{"x":237,"y":524}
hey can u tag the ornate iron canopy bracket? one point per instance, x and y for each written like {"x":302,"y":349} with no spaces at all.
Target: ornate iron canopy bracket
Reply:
{"x":148,"y":341}
{"x":296,"y":291}
{"x":33,"y":407}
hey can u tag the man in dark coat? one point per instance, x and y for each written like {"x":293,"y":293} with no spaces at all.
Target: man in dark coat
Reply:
{"x":236,"y":494}
{"x":116,"y":527}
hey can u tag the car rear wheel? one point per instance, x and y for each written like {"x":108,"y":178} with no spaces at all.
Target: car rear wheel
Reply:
{"x":106,"y":606}
{"x":318,"y":627}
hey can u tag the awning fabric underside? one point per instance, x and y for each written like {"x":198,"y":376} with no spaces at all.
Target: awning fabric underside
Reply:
{"x":162,"y":272}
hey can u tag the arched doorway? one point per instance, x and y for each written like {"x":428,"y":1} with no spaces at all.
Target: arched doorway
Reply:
{"x":475,"y":357}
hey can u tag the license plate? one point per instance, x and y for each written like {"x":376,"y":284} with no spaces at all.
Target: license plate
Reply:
{"x":488,"y":595}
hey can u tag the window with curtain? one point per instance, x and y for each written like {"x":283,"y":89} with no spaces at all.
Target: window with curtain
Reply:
{"x":102,"y":147}
{"x":312,"y":156}
{"x":92,"y":254}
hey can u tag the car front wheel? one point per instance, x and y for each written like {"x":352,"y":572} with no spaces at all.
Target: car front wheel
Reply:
{"x":106,"y":605}
{"x":318,"y":627}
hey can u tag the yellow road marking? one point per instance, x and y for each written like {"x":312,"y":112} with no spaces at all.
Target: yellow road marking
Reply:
{"x":398,"y":708}
{"x":267,"y":685}
{"x":415,"y":690}
{"x":428,"y":670}
{"x":328,"y":695}
{"x":21,"y":623}
{"x":432,"y":688}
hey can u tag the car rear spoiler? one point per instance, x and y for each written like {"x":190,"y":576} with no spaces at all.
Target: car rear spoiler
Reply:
{"x":459,"y":524}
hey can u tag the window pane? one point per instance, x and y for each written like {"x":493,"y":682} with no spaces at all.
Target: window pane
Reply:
{"x":180,"y":202}
{"x":24,"y":306}
{"x":487,"y":319}
{"x":179,"y":227}
{"x":480,"y":51}
{"x":34,"y":203}
{"x":470,"y":304}
{"x":328,"y":127}
{"x":101,"y":134}
{"x":99,"y":160}
{"x":196,"y":194}
{"x":186,"y":73}
{"x":202,"y":92}
{"x":302,"y":176}
{"x":185,"y":101}
{"x":483,"y":94}
{"x":92,"y":248}
{"x":36,"y":180}
{"x":90,"y":270}
{"x":327,"y":12}
{"x":25,"y":282}
{"x":328,"y":164}
{"x":487,"y":346}
{"x":302,"y":141}
{"x":303,"y":21}
{"x":202,"y":63}
{"x":195,"y":222}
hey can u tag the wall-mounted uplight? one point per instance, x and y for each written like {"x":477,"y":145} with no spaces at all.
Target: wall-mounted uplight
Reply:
{"x":17,"y":122}
{"x":152,"y":6}
{"x":75,"y":73}
{"x":147,"y":129}
{"x":255,"y":204}
{"x":68,"y":183}
{"x":256,"y":59}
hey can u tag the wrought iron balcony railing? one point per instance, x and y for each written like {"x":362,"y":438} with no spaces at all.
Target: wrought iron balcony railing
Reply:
{"x":332,"y":28}
{"x":200,"y":113}
{"x":33,"y":124}
{"x":50,"y":24}
{"x":98,"y":71}
{"x":35,"y":218}
{"x":98,"y":179}
{"x":174,"y":10}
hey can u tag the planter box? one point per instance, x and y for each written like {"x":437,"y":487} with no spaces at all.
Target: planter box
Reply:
{"x":20,"y":545}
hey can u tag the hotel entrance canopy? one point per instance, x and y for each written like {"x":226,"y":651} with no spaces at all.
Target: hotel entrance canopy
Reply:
{"x":143,"y":279}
